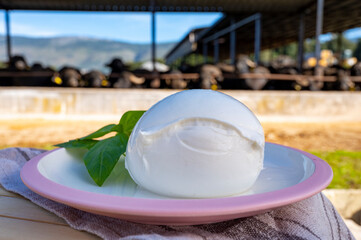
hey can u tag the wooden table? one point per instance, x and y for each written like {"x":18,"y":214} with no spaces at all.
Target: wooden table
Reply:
{"x":22,"y":219}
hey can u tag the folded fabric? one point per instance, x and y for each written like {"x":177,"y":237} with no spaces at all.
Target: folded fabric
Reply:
{"x":312,"y":218}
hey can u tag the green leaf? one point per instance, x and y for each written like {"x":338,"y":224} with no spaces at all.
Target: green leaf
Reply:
{"x":128,"y":121}
{"x":101,"y":132}
{"x":78,"y":143}
{"x":103,"y":156}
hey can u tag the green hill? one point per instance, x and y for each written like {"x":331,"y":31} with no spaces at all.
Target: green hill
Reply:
{"x":85,"y":53}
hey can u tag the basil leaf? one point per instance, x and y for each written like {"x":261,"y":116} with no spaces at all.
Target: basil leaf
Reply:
{"x":101,"y":132}
{"x":103,"y":156}
{"x":78,"y":143}
{"x":128,"y":122}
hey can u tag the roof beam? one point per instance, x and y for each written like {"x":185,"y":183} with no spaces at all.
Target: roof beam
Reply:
{"x":319,"y":23}
{"x":8,"y":38}
{"x":205,"y":53}
{"x":232,"y":27}
{"x":153,"y":29}
{"x":301,"y":37}
{"x":232,"y":43}
{"x":257,"y":39}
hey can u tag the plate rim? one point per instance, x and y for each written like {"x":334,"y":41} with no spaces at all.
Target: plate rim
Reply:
{"x":110,"y":204}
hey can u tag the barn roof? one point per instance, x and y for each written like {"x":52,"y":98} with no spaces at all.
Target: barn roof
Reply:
{"x":281,"y":28}
{"x":280,"y":18}
{"x":231,"y":6}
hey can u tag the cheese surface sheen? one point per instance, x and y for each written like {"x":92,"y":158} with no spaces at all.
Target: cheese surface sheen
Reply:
{"x":196,"y":144}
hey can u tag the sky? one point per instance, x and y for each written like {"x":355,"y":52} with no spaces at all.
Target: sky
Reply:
{"x":129,"y":27}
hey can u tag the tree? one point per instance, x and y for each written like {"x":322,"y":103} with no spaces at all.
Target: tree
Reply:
{"x":338,"y":39}
{"x":357,"y":52}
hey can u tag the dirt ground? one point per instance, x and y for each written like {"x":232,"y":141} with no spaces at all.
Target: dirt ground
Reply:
{"x":306,"y":136}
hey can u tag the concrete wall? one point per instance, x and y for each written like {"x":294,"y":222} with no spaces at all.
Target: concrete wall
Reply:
{"x":62,"y":103}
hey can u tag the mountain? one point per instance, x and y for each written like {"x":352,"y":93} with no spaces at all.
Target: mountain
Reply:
{"x":84,"y":53}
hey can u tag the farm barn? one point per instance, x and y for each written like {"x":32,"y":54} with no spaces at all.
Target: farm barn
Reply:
{"x":246,"y":28}
{"x":228,"y":56}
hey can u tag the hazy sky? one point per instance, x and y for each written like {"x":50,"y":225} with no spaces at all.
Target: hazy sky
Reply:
{"x":130,"y":27}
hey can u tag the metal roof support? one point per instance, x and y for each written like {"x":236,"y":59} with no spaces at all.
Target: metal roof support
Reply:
{"x":232,"y":27}
{"x":339,"y":44}
{"x":232,"y":44}
{"x":153,"y":37}
{"x":301,"y":37}
{"x":319,"y":21}
{"x":216,"y":51}
{"x":8,"y":39}
{"x":257,"y":39}
{"x":205,"y":53}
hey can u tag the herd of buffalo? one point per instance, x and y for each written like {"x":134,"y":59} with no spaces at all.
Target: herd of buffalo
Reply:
{"x":185,"y":76}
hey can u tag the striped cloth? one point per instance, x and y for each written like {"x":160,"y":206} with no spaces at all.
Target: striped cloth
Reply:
{"x":313,"y":218}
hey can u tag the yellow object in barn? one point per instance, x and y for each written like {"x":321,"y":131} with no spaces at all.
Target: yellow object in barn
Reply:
{"x":214,"y":87}
{"x":311,"y":62}
{"x":326,"y":59}
{"x":58,"y":80}
{"x":104,"y":83}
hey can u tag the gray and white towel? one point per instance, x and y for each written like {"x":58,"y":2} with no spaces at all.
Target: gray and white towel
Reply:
{"x":312,"y":218}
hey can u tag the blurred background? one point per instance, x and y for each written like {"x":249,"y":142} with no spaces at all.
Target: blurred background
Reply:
{"x":68,"y":68}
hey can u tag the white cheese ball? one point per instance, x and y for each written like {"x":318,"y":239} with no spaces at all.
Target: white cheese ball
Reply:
{"x":196,"y":144}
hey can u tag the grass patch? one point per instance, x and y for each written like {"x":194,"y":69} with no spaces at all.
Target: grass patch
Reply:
{"x":346,"y":168}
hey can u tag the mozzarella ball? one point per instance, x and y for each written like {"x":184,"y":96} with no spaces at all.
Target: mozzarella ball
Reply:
{"x":196,"y":144}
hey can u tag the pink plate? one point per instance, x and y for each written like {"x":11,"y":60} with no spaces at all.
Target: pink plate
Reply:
{"x":289,"y":175}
